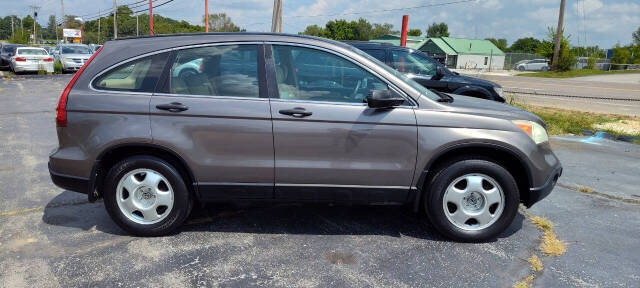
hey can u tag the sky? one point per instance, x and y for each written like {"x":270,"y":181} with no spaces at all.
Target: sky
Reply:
{"x":594,"y":22}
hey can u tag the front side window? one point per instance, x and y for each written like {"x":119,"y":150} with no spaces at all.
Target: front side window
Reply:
{"x":140,"y":75}
{"x":310,"y":74}
{"x":229,"y":70}
{"x":412,"y":63}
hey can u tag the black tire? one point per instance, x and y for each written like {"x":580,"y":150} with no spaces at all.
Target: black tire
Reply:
{"x":521,"y":68}
{"x":182,"y":199}
{"x":445,"y":174}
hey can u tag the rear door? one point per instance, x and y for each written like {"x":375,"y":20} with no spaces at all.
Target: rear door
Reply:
{"x":213,"y":111}
{"x":329,"y":145}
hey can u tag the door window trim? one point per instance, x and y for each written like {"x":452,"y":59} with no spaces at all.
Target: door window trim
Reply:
{"x":172,"y":58}
{"x":276,"y":95}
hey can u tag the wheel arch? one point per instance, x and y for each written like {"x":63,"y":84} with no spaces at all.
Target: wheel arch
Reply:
{"x":507,"y":156}
{"x":113,"y":154}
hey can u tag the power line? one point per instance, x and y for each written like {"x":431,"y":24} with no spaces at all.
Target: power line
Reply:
{"x":383,"y":10}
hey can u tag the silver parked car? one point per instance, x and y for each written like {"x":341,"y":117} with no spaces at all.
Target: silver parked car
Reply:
{"x":532,"y":65}
{"x":276,"y":117}
{"x":72,"y":56}
{"x":31,"y":59}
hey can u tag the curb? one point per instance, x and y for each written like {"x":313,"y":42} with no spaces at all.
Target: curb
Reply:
{"x":609,"y":136}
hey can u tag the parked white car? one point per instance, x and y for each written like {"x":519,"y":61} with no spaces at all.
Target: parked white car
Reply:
{"x":72,"y":56}
{"x":532,"y":65}
{"x":31,"y":59}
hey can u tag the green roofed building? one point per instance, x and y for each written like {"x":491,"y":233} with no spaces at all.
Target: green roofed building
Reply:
{"x":458,"y":53}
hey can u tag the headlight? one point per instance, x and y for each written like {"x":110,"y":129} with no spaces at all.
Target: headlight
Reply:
{"x":498,"y":91}
{"x":537,"y":133}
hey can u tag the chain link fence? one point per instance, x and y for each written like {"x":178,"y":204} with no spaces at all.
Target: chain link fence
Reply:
{"x":510,"y":59}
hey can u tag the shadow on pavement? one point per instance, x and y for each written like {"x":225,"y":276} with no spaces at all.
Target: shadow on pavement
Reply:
{"x":263,"y":218}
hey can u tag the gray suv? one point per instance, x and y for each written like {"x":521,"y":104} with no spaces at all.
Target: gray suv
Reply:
{"x":280,"y":117}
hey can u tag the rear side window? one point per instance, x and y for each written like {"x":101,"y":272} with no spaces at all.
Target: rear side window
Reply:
{"x":225,"y":70}
{"x":140,"y":75}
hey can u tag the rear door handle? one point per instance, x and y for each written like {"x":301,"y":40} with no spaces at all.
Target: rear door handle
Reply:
{"x":296,"y":112}
{"x":173,"y":107}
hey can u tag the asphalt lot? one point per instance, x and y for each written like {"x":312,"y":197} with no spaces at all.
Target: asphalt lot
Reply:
{"x":621,"y":98}
{"x":54,"y":238}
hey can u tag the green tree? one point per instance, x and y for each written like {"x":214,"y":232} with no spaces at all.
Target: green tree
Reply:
{"x":525,"y":45}
{"x":362,"y":29}
{"x":222,"y":23}
{"x":500,"y":43}
{"x":314,"y":30}
{"x":621,"y":55}
{"x":50,"y":31}
{"x":566,"y":59}
{"x":438,"y":30}
{"x":414,"y":32}
{"x":340,"y":30}
{"x":381,"y":29}
{"x":636,"y":36}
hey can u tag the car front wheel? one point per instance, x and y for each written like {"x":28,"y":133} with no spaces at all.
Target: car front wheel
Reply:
{"x":146,"y":196}
{"x":472,"y":200}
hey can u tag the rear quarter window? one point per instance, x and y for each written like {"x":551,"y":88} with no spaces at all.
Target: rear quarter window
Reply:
{"x":140,"y":75}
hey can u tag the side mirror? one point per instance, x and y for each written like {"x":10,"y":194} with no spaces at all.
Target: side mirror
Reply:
{"x":382,"y":99}
{"x":439,"y":73}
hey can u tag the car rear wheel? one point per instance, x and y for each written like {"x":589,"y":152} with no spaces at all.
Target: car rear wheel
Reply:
{"x":472,"y":200}
{"x":146,"y":196}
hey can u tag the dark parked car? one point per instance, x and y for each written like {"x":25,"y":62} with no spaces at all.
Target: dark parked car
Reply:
{"x":275,"y":117}
{"x":430,"y":73}
{"x":8,"y":51}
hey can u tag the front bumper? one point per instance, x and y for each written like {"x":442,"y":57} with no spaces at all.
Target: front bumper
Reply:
{"x":538,"y":193}
{"x":68,"y":182}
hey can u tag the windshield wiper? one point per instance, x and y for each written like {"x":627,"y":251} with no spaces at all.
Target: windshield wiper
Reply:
{"x":443,"y":96}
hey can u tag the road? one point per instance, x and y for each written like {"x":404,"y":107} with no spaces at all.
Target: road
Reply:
{"x":621,"y":98}
{"x":55,"y":238}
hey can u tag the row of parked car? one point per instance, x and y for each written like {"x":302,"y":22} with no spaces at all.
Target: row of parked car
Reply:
{"x":21,"y":58}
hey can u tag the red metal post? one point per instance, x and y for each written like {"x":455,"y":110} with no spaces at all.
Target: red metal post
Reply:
{"x":150,"y":18}
{"x":206,"y":15}
{"x":403,"y":35}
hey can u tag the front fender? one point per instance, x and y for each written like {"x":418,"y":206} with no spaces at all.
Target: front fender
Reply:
{"x":474,"y":90}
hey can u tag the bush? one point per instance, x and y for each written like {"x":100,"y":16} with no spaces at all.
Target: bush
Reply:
{"x":591,"y":63}
{"x":57,"y":67}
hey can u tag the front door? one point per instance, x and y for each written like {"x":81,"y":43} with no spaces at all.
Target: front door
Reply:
{"x":328,"y":144}
{"x":214,"y":112}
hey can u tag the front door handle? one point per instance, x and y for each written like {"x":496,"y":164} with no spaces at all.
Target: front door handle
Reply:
{"x":173,"y":107}
{"x":296,"y":112}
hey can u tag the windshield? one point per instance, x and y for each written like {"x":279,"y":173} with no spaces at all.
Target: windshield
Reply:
{"x":424,"y":91}
{"x":75,"y":50}
{"x":31,"y":51}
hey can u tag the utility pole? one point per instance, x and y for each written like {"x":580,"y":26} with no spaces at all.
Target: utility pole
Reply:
{"x":63,"y":18}
{"x":137,"y":26}
{"x":558,"y":41}
{"x":276,"y":20}
{"x":403,"y":32}
{"x":99,"y":20}
{"x":115,"y":22}
{"x":206,"y":15}
{"x":35,"y":16}
{"x":11,"y":25}
{"x":150,"y":18}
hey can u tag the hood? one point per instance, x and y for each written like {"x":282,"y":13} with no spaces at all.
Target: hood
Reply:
{"x":482,"y":107}
{"x":472,"y":80}
{"x":76,"y":56}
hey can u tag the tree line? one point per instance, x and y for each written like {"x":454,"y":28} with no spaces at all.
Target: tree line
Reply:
{"x":126,"y":20}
